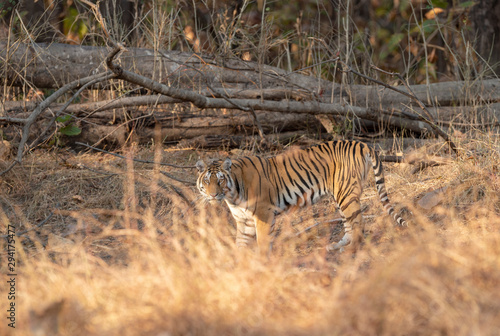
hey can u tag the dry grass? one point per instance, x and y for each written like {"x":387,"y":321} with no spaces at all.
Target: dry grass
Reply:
{"x":89,"y":271}
{"x":125,"y":254}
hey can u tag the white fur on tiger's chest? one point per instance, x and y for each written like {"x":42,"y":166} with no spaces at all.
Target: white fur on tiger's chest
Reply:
{"x":240,"y":212}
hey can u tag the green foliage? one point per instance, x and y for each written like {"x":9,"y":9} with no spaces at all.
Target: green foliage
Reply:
{"x":437,"y":4}
{"x":7,"y":6}
{"x":467,"y":4}
{"x":73,"y":24}
{"x":64,"y":118}
{"x":70,"y":129}
{"x":392,"y":45}
{"x":429,"y":26}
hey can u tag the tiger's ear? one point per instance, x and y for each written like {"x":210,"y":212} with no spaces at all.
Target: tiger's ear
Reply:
{"x":226,"y":165}
{"x":200,"y":165}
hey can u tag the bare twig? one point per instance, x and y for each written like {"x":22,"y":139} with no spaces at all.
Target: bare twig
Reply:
{"x":392,"y":158}
{"x":109,"y":174}
{"x":45,"y":104}
{"x":136,"y":160}
{"x":63,"y":108}
{"x":32,"y":228}
{"x":99,"y":18}
{"x":429,"y":119}
{"x":177,"y":179}
{"x":224,"y":96}
{"x":422,"y":165}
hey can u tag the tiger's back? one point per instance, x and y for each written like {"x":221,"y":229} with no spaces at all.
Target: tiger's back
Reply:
{"x":257,"y":189}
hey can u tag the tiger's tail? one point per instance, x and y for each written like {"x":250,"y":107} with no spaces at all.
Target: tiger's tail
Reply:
{"x":382,"y":192}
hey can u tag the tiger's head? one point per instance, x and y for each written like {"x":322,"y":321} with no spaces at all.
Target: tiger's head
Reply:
{"x":214,"y":180}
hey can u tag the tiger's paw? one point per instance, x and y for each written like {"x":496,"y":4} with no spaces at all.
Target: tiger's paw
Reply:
{"x":346,"y":240}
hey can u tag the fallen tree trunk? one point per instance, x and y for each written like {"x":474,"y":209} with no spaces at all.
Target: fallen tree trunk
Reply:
{"x":115,"y":124}
{"x":470,"y":116}
{"x":190,"y":125}
{"x":98,"y":122}
{"x":463,"y":93}
{"x":238,"y":141}
{"x":52,"y":66}
{"x":106,"y":111}
{"x":208,"y":85}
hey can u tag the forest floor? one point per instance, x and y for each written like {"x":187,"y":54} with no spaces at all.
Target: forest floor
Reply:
{"x":108,"y":246}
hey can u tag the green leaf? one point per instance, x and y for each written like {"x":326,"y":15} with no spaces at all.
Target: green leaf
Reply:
{"x":70,"y":130}
{"x":403,"y":6}
{"x":394,"y":41}
{"x":438,"y":3}
{"x":467,"y":4}
{"x":429,"y":26}
{"x":64,"y":118}
{"x":392,"y":44}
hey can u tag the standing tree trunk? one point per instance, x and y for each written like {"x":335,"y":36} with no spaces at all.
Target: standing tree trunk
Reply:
{"x":485,"y":20}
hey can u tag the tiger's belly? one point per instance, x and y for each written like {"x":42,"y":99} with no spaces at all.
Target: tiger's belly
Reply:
{"x":243,"y":211}
{"x":297,"y":200}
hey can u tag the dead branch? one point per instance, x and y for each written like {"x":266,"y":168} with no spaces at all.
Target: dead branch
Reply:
{"x":20,"y":109}
{"x":28,"y":122}
{"x":191,"y":183}
{"x":65,"y":106}
{"x":429,"y":120}
{"x":50,"y":66}
{"x":420,"y":163}
{"x":224,"y":96}
{"x":136,"y":160}
{"x":238,"y":141}
{"x":200,"y":101}
{"x":32,"y":228}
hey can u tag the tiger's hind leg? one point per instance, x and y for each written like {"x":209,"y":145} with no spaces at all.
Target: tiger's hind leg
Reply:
{"x":350,"y":210}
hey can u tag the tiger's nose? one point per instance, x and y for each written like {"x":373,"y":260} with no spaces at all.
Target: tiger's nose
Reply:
{"x":213,"y":195}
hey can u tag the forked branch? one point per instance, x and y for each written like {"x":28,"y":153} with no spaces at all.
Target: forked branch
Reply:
{"x":429,"y":120}
{"x":28,"y":122}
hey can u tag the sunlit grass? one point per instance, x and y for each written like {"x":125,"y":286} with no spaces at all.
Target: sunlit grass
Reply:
{"x":86,"y":273}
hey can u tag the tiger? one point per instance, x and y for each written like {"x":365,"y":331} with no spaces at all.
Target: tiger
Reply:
{"x":257,"y":189}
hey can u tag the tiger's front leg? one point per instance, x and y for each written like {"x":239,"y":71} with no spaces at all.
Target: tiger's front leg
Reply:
{"x":245,"y":226}
{"x":264,"y":226}
{"x":245,"y":232}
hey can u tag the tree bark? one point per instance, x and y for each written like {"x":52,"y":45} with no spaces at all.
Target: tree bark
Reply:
{"x":51,"y":66}
{"x":485,"y":32}
{"x":224,"y":85}
{"x":436,"y":94}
